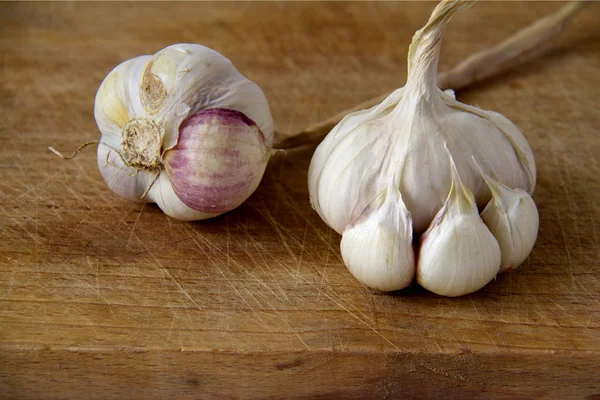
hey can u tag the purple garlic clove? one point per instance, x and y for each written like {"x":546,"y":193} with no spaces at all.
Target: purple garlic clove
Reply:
{"x":219,"y":160}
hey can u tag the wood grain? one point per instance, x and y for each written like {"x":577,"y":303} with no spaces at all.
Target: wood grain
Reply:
{"x":103,"y":298}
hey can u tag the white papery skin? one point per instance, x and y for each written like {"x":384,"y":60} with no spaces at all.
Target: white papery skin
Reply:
{"x":193,"y":78}
{"x":401,"y":143}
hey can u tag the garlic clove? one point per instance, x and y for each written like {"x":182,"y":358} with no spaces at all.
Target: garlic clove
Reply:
{"x":163,"y":194}
{"x":512,"y":134}
{"x":113,"y":109}
{"x":458,"y":253}
{"x":346,"y":126}
{"x":219,"y":160}
{"x":159,"y":77}
{"x":121,"y":179}
{"x":513,"y":219}
{"x":348,"y":182}
{"x":425,"y":179}
{"x":204,"y":79}
{"x":117,"y":101}
{"x":336,"y":164}
{"x":520,"y":146}
{"x":378,"y":248}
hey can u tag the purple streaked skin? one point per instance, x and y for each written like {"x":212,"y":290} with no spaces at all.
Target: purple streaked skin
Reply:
{"x":219,"y":160}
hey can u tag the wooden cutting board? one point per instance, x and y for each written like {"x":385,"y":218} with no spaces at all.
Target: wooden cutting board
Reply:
{"x":103,"y":298}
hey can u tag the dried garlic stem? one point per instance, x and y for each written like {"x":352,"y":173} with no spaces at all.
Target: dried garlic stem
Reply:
{"x":524,"y":43}
{"x":518,"y":48}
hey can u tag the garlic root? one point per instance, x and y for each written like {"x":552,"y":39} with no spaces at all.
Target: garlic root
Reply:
{"x":74,"y":154}
{"x":518,"y":48}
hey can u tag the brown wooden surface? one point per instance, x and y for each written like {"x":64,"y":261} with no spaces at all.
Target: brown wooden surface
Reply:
{"x":102,"y":298}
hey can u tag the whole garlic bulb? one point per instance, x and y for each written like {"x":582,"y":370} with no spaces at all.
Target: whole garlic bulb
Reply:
{"x":418,"y":144}
{"x":183,"y":129}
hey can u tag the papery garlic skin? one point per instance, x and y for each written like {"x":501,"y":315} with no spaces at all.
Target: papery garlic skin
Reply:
{"x":513,"y":219}
{"x":139,"y":108}
{"x":458,"y":253}
{"x":377,"y":249}
{"x":355,"y":159}
{"x":406,"y":142}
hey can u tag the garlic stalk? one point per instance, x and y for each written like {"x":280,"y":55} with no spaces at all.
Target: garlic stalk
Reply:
{"x":409,"y":142}
{"x":183,"y":129}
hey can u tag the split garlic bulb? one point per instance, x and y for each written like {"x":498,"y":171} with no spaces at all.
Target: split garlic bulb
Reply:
{"x":407,"y":163}
{"x":183,"y":129}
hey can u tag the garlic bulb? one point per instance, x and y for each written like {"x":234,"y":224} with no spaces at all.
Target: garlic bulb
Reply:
{"x":410,"y":142}
{"x":183,"y":129}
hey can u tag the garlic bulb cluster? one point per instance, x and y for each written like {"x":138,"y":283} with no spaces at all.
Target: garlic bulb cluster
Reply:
{"x":423,"y":162}
{"x":183,"y":129}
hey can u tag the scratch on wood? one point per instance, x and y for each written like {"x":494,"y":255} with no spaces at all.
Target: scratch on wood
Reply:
{"x":168,"y":273}
{"x":135,"y":223}
{"x":266,"y":214}
{"x":492,"y":341}
{"x":302,"y":247}
{"x":216,"y":249}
